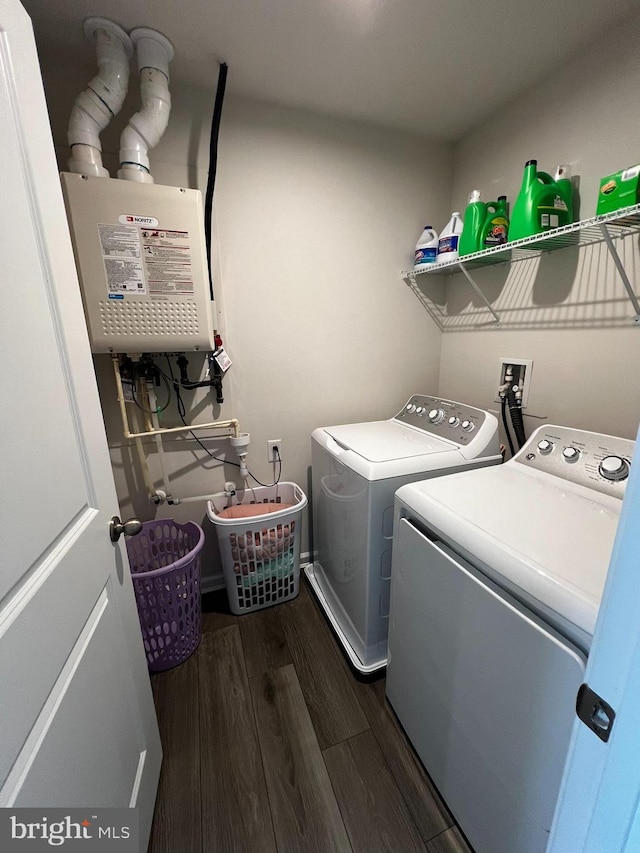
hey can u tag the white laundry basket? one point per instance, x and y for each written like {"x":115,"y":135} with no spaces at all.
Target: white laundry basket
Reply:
{"x":260,"y":553}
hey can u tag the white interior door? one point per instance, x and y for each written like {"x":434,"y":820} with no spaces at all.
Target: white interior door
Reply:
{"x":599,"y":804}
{"x":77,"y":722}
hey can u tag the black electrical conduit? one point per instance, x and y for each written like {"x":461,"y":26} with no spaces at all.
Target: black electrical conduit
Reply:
{"x":213,"y":164}
{"x":515,"y":412}
{"x":505,"y":424}
{"x":516,"y":418}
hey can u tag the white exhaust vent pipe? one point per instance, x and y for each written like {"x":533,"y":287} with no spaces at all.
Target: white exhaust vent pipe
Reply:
{"x":146,"y":127}
{"x":102,"y":99}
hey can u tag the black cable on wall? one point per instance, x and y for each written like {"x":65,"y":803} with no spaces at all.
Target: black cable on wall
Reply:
{"x":213,"y":164}
{"x":516,"y":418}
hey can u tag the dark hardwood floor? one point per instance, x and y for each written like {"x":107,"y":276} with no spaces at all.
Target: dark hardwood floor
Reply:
{"x":271,"y":744}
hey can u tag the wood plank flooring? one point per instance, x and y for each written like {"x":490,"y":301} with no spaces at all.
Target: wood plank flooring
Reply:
{"x":271,"y":744}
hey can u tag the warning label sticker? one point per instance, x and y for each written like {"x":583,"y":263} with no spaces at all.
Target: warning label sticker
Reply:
{"x":141,"y":260}
{"x":121,"y":256}
{"x":124,"y":276}
{"x":119,"y":240}
{"x":167,"y":261}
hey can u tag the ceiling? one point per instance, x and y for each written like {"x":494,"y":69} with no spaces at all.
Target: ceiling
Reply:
{"x":436,"y":67}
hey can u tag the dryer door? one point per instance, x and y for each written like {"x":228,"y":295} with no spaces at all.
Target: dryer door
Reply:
{"x":485,"y":691}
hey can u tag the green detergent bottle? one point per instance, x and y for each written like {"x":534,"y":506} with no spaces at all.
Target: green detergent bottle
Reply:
{"x":496,"y":224}
{"x":542,"y":203}
{"x":471,"y":239}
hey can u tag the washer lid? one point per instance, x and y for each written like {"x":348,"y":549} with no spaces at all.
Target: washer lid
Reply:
{"x":548,"y":537}
{"x":384,"y":441}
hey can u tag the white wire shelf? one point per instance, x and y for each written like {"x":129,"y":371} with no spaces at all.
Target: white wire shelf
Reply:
{"x":606,"y":228}
{"x":620,"y":223}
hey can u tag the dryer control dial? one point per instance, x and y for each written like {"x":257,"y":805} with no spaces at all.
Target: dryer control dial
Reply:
{"x":410,"y":407}
{"x":545,"y":447}
{"x":571,"y":454}
{"x":614,"y":468}
{"x":468,"y":426}
{"x":436,"y":416}
{"x":454,"y":421}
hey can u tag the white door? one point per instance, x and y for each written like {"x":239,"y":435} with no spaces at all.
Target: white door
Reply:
{"x":599,"y":806}
{"x":77,"y":722}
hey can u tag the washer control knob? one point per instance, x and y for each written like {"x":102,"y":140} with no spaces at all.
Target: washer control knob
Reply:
{"x":614,"y":468}
{"x":454,"y":421}
{"x":411,"y":407}
{"x":545,"y":447}
{"x":468,"y":426}
{"x":436,"y":416}
{"x":571,"y":454}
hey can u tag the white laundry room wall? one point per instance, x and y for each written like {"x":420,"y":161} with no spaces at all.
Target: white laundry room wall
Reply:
{"x":314,"y":218}
{"x":568,"y":312}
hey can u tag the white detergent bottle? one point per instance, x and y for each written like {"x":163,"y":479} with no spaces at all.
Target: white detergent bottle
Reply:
{"x":448,"y":242}
{"x":426,"y":248}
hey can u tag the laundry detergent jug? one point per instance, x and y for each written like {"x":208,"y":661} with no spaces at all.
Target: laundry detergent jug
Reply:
{"x":496,"y":224}
{"x":543,"y":203}
{"x":475,"y":215}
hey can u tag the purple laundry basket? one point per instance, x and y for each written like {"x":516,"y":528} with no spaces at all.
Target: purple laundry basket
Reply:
{"x":165,"y":570}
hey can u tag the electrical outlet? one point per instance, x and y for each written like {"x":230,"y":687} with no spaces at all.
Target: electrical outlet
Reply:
{"x":273,"y":445}
{"x":516,"y":372}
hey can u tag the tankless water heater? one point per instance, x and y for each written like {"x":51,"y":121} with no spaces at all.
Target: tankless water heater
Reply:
{"x":142,"y":263}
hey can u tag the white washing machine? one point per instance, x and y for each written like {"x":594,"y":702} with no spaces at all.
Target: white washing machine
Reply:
{"x":497,"y":581}
{"x":356,"y":469}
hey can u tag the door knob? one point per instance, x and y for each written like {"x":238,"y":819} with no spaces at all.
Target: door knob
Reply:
{"x":129,"y":527}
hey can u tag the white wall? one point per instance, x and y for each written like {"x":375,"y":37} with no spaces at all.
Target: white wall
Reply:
{"x":568,"y":312}
{"x":314,"y":219}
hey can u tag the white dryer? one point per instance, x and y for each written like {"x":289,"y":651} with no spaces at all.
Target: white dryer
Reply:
{"x":356,"y":469}
{"x":497,"y":581}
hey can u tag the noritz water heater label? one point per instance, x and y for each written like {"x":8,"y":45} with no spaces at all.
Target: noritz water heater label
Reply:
{"x":119,"y":241}
{"x":143,"y":259}
{"x":133,"y":219}
{"x":167,"y":261}
{"x":122,"y":258}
